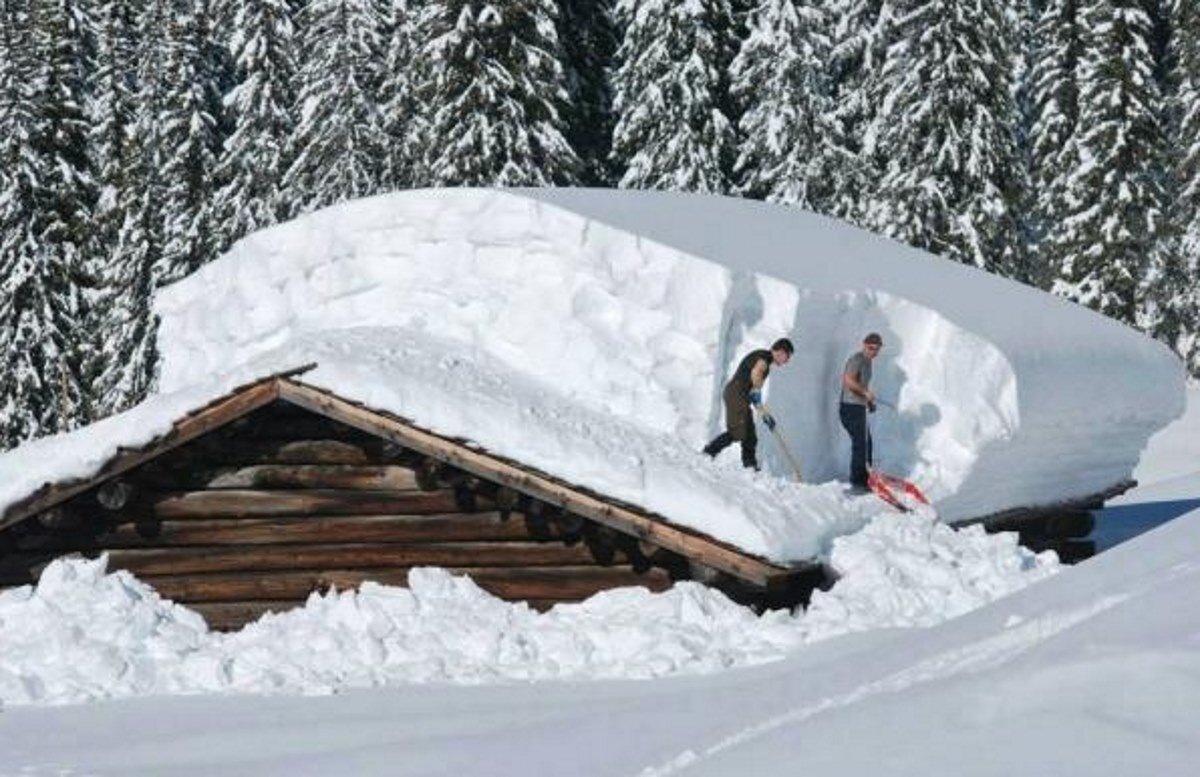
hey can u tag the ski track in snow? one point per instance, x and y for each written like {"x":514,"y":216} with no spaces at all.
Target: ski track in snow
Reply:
{"x":976,"y":657}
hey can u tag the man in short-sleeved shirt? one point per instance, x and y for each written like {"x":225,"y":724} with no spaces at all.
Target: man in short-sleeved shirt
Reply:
{"x":743,"y":390}
{"x":856,"y":401}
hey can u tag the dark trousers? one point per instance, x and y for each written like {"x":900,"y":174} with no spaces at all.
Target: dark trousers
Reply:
{"x":854,"y":421}
{"x":749,"y":445}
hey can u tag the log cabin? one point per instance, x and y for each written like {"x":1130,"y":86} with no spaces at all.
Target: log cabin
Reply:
{"x":280,"y":489}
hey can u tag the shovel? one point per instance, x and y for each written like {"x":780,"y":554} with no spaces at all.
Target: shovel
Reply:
{"x":890,"y":488}
{"x":764,"y":411}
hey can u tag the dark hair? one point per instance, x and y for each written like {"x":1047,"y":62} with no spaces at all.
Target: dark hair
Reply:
{"x":873,"y":339}
{"x":784,"y":344}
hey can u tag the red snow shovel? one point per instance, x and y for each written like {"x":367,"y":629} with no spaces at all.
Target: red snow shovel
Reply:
{"x":894,"y":490}
{"x":891,"y":488}
{"x":765,"y":412}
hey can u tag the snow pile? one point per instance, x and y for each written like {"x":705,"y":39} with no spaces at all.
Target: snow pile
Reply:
{"x":915,"y":571}
{"x":83,"y":634}
{"x":446,"y":629}
{"x":1007,"y":396}
{"x":638,"y":304}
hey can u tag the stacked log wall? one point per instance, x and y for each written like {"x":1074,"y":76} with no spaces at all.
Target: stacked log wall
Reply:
{"x":253,"y":517}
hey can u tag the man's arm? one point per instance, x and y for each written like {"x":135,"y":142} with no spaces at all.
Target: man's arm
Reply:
{"x":851,"y":384}
{"x":758,"y":374}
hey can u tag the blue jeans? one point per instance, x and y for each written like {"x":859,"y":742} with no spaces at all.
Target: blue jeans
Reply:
{"x":854,"y":421}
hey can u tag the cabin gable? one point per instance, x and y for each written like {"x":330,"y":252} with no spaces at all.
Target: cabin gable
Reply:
{"x":280,"y":489}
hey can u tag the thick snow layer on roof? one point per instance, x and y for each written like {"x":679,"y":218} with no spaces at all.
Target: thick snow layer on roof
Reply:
{"x":1175,"y":450}
{"x":636,"y":306}
{"x":548,"y":335}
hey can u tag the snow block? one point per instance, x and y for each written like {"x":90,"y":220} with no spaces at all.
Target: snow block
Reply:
{"x":638,"y":305}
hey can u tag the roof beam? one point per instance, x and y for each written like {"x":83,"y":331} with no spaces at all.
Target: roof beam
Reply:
{"x":686,"y":542}
{"x":217,"y":414}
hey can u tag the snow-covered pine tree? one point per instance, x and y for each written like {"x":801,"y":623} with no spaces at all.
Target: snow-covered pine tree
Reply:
{"x":669,"y":91}
{"x":859,"y":42}
{"x":1054,"y":106}
{"x":131,"y":356}
{"x":787,"y":150}
{"x":1028,"y":13}
{"x":1172,"y":288}
{"x":259,"y":108}
{"x":139,"y":248}
{"x":1114,"y":195}
{"x":1187,"y":110}
{"x":947,"y":129}
{"x":340,"y":143}
{"x":588,"y":32}
{"x":63,"y":202}
{"x":26,"y":406}
{"x":492,"y":91}
{"x":189,"y":141}
{"x":112,"y":114}
{"x":396,"y":97}
{"x":120,"y":324}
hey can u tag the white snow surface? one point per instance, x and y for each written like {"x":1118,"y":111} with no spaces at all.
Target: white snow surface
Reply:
{"x":1174,"y":451}
{"x":83,"y":634}
{"x":1093,"y":671}
{"x":636,"y":306}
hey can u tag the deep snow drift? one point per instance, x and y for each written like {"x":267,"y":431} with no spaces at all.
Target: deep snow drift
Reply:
{"x":1093,"y":670}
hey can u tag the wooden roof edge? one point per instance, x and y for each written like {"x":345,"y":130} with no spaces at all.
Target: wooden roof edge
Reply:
{"x":225,"y":409}
{"x":688,"y":542}
{"x":1016,"y":515}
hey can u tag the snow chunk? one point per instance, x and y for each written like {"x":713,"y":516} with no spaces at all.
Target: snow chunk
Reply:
{"x":84,"y":634}
{"x":915,"y":571}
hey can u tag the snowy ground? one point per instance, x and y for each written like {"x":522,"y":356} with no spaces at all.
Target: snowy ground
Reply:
{"x":1093,"y":671}
{"x":943,"y":645}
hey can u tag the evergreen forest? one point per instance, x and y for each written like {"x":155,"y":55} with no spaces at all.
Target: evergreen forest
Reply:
{"x":1055,"y":142}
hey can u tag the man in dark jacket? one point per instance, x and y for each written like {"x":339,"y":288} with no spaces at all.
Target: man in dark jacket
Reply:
{"x":743,"y":390}
{"x":857,"y":401}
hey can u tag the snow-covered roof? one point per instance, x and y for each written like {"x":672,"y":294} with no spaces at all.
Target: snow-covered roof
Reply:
{"x":588,"y":334}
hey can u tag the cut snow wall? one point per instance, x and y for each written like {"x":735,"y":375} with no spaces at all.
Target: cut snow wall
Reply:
{"x":637,"y":328}
{"x":620,"y":326}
